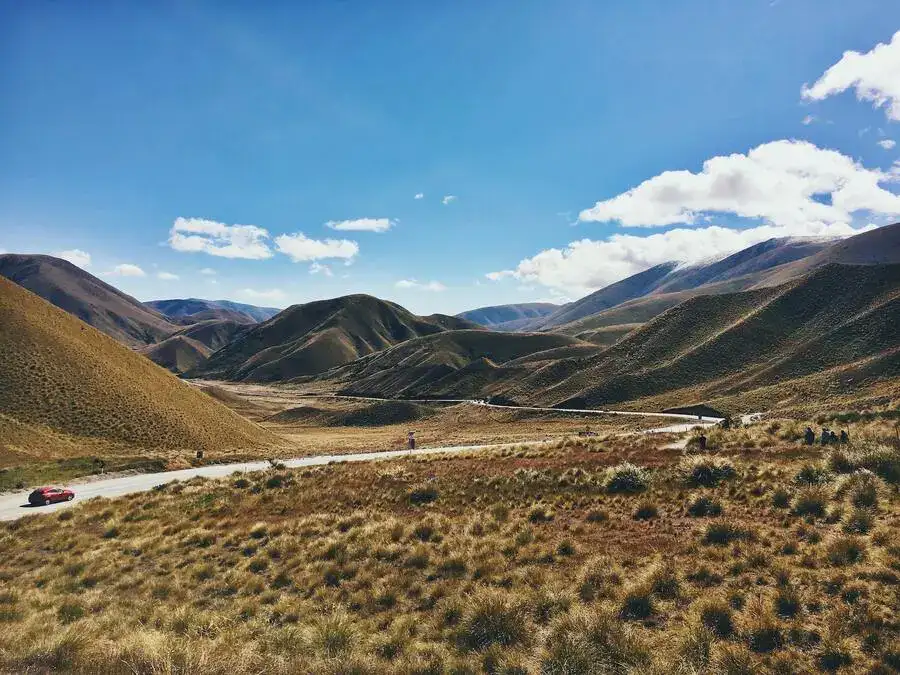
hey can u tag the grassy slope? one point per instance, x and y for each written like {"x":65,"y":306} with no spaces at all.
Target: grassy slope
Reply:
{"x":535,"y":565}
{"x":178,"y":353}
{"x":836,"y":315}
{"x":59,"y":374}
{"x":85,"y":296}
{"x":311,"y":338}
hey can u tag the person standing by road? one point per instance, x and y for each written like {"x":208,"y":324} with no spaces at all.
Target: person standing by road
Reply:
{"x":411,"y":440}
{"x":809,"y":436}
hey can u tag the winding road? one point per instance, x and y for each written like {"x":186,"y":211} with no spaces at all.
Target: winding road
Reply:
{"x":15,"y":505}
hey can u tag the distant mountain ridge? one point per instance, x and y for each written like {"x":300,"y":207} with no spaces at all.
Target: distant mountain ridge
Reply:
{"x":509,"y":317}
{"x":194,"y":310}
{"x":86,"y":297}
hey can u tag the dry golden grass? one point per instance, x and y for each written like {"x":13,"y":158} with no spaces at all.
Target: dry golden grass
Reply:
{"x":533,"y":560}
{"x":61,"y":377}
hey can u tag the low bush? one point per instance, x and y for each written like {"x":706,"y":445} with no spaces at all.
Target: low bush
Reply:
{"x":646,"y":510}
{"x":627,"y":478}
{"x":705,"y":471}
{"x":847,"y":550}
{"x":811,"y":500}
{"x":723,"y":532}
{"x":813,"y":474}
{"x":423,"y":495}
{"x":717,"y":616}
{"x":492,"y":618}
{"x":704,"y":506}
{"x":858,"y":521}
{"x":583,"y":642}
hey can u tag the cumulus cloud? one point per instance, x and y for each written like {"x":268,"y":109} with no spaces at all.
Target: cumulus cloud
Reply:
{"x":75,"y":256}
{"x":269,"y":295}
{"x":435,"y":286}
{"x":887,"y":143}
{"x":300,"y":248}
{"x":362,"y":224}
{"x":419,"y":195}
{"x":318,"y":268}
{"x":167,"y":276}
{"x":875,"y":75}
{"x":208,"y":271}
{"x":787,"y":183}
{"x":587,"y":265}
{"x":127,"y":270}
{"x":448,"y":199}
{"x":199,"y":235}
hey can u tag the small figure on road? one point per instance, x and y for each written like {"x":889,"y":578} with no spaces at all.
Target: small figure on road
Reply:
{"x":411,"y":440}
{"x":702,"y":442}
{"x":825,"y":436}
{"x":809,"y":437}
{"x":845,"y":437}
{"x":832,"y":438}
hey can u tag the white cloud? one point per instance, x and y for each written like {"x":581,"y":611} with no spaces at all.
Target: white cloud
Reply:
{"x":783,"y":182}
{"x":419,"y":195}
{"x":874,"y":75}
{"x":270,"y":295}
{"x":587,"y":265}
{"x":809,"y":119}
{"x":199,"y":235}
{"x":319,"y":268}
{"x":127,"y":270}
{"x":362,"y":224}
{"x":75,"y":256}
{"x":448,"y":199}
{"x":208,"y":271}
{"x":300,"y":248}
{"x":435,"y":286}
{"x":887,"y":144}
{"x":167,"y":276}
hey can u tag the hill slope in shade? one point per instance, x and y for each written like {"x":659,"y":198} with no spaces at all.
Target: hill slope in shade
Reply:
{"x":213,"y":333}
{"x":672,"y":277}
{"x":454,"y":364}
{"x":178,"y":353}
{"x":311,"y":338}
{"x":508,"y":317}
{"x":719,"y":345}
{"x":193,"y":310}
{"x":88,"y":298}
{"x":61,"y":376}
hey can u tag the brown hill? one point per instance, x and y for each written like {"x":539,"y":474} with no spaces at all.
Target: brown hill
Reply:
{"x":62,"y":378}
{"x":311,"y":338}
{"x":85,"y":296}
{"x":178,"y":353}
{"x":213,"y":333}
{"x":721,"y":345}
{"x":192,"y":310}
{"x":509,"y":317}
{"x":454,"y":364}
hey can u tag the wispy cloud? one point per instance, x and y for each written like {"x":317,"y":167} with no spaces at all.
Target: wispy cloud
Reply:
{"x":419,"y":195}
{"x":434,"y":286}
{"x":75,"y":256}
{"x":300,"y":248}
{"x":167,"y":276}
{"x":208,"y":271}
{"x":319,"y":268}
{"x":448,"y":199}
{"x":875,"y":75}
{"x":362,"y":224}
{"x":887,"y":143}
{"x":200,"y":235}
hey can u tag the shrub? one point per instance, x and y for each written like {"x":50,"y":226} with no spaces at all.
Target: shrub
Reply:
{"x":646,"y":510}
{"x":241,"y":483}
{"x":664,"y":582}
{"x":637,"y":603}
{"x":333,"y":636}
{"x":781,"y":498}
{"x":423,"y":495}
{"x":565,"y":547}
{"x":811,"y":501}
{"x":492,"y":619}
{"x":705,"y":471}
{"x":787,"y":602}
{"x":627,"y":478}
{"x":840,"y":461}
{"x":882,"y":460}
{"x":539,"y":514}
{"x":69,"y":612}
{"x":275,"y":481}
{"x":723,"y":532}
{"x":846,"y":551}
{"x":813,"y":474}
{"x":860,"y":521}
{"x":716,"y":615}
{"x":704,"y":506}
{"x":597,"y":516}
{"x":111,"y":533}
{"x":582,"y":642}
{"x":863,"y":488}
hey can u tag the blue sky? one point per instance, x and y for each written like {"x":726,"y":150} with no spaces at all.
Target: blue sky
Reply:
{"x":140,"y":134}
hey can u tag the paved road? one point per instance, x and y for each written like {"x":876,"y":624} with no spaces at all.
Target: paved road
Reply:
{"x":14,"y":506}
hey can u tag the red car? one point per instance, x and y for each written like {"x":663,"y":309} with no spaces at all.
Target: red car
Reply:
{"x":47,"y":495}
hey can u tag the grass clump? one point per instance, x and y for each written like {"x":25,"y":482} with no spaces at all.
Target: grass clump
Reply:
{"x":813,"y":474}
{"x":846,"y":550}
{"x":627,"y":478}
{"x":646,"y":510}
{"x":584,"y":642}
{"x":423,"y":495}
{"x":704,"y":506}
{"x":724,"y":532}
{"x":705,"y":471}
{"x":811,"y":500}
{"x":492,"y":618}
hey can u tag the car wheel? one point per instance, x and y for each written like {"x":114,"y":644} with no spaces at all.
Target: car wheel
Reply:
{"x":70,"y":498}
{"x":46,"y":502}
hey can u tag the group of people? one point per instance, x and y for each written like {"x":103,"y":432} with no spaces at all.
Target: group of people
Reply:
{"x":828,"y":437}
